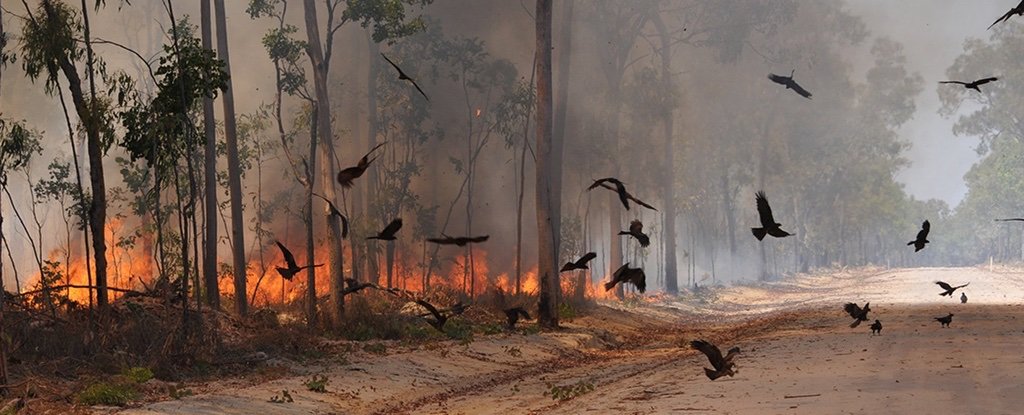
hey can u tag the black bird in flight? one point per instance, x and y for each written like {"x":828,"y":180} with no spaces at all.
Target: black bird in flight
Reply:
{"x":403,"y":77}
{"x":458,"y":240}
{"x":513,"y":314}
{"x":949,"y":289}
{"x":352,"y":286}
{"x":614,"y":184}
{"x":439,"y":317}
{"x":625,"y":274}
{"x":963,"y":298}
{"x":580,"y":263}
{"x":1010,"y":220}
{"x":922,"y":237}
{"x":768,"y":224}
{"x":945,"y":320}
{"x":790,"y":83}
{"x":289,"y":259}
{"x":348,"y":175}
{"x":335,"y":211}
{"x":723,"y":365}
{"x":858,"y":314}
{"x":876,"y":328}
{"x":1018,"y":10}
{"x":972,"y":85}
{"x":388,"y":234}
{"x":636,"y":230}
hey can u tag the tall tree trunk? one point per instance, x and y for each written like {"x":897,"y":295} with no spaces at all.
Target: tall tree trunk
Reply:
{"x":373,"y":266}
{"x":234,"y":167}
{"x":547,"y":192}
{"x":730,"y":214}
{"x":558,"y":136}
{"x":614,"y":205}
{"x":667,"y":188}
{"x":311,"y":300}
{"x":210,"y":182}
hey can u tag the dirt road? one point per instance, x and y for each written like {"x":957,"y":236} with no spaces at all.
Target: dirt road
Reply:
{"x":799,"y":357}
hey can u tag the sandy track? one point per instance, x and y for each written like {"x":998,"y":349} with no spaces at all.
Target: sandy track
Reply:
{"x":795,"y":338}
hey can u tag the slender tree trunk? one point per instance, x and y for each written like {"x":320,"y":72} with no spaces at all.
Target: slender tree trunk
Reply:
{"x":210,"y":171}
{"x":558,"y":135}
{"x":547,"y":192}
{"x":614,"y":205}
{"x":234,"y":167}
{"x":373,"y":266}
{"x":667,"y":179}
{"x":311,"y":300}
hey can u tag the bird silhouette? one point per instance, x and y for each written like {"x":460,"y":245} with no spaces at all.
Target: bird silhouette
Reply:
{"x":580,"y":263}
{"x":945,"y":320}
{"x":724,"y":366}
{"x":353,"y":285}
{"x":1010,"y":220}
{"x":617,"y":186}
{"x":335,"y":211}
{"x":972,"y":85}
{"x":513,"y":314}
{"x":1017,"y":10}
{"x":963,"y":298}
{"x":403,"y":77}
{"x":876,"y":328}
{"x":922,"y":237}
{"x":439,"y":317}
{"x":858,"y":314}
{"x":790,"y":83}
{"x":636,"y":230}
{"x":289,"y":259}
{"x":768,"y":224}
{"x":625,"y":274}
{"x":348,"y":175}
{"x":388,"y":234}
{"x":458,"y":240}
{"x":949,"y":289}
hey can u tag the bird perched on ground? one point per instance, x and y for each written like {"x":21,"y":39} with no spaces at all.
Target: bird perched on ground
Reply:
{"x":963,"y":298}
{"x":348,"y":175}
{"x":624,"y":274}
{"x":790,"y":83}
{"x":580,"y":263}
{"x":388,"y":234}
{"x":513,"y":314}
{"x":403,"y":77}
{"x":876,"y":328}
{"x":723,"y":365}
{"x":335,"y":211}
{"x":972,"y":85}
{"x":949,"y":289}
{"x":768,"y":224}
{"x":289,"y":259}
{"x":636,"y":230}
{"x":614,"y":184}
{"x":922,"y":237}
{"x":945,"y":320}
{"x":858,"y":314}
{"x":458,"y":240}
{"x":1017,"y":10}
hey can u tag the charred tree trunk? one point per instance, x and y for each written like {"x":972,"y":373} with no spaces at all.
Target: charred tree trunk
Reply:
{"x":547,"y":192}
{"x":210,"y":182}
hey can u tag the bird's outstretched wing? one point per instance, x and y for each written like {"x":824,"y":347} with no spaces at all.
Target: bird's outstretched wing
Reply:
{"x":478,"y":239}
{"x":288,"y":257}
{"x":853,"y":310}
{"x":984,"y":81}
{"x":392,"y":227}
{"x":799,"y":89}
{"x":1010,"y":220}
{"x":944,"y":286}
{"x":335,"y":211}
{"x":589,"y":256}
{"x":597,"y":183}
{"x":953,"y":82}
{"x":925,"y":228}
{"x":401,"y":74}
{"x":711,"y":351}
{"x":781,"y":80}
{"x":764,"y":210}
{"x":431,"y":309}
{"x":419,"y":89}
{"x":1008,"y":15}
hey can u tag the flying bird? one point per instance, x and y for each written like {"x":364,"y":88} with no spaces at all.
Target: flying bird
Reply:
{"x":403,"y":77}
{"x":1017,"y":10}
{"x":922,"y":237}
{"x":723,"y":365}
{"x":945,"y":320}
{"x":353,"y":285}
{"x":580,"y":263}
{"x":1010,"y":220}
{"x":513,"y":314}
{"x":289,"y":259}
{"x":335,"y":211}
{"x":963,"y":298}
{"x":790,"y":83}
{"x":439,"y":317}
{"x":858,"y":314}
{"x":617,"y":186}
{"x":876,"y":328}
{"x":625,"y":274}
{"x":636,"y":230}
{"x":458,"y":240}
{"x":949,"y":289}
{"x":768,"y":224}
{"x":348,"y":175}
{"x":388,"y":234}
{"x":972,"y":85}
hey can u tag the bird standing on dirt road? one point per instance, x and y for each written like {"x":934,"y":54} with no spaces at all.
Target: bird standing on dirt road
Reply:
{"x":580,"y":263}
{"x":768,"y":224}
{"x":289,"y":259}
{"x":922,"y":237}
{"x":636,"y":230}
{"x":945,"y":320}
{"x":513,"y":314}
{"x":876,"y":328}
{"x":859,"y":314}
{"x":972,"y":85}
{"x":949,"y":288}
{"x":963,"y":298}
{"x":625,"y":274}
{"x":1017,"y":10}
{"x":388,"y":234}
{"x":723,"y":365}
{"x":348,"y":175}
{"x":403,"y":77}
{"x":790,"y":83}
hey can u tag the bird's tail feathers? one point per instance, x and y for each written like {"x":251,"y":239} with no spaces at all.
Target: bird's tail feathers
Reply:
{"x":609,"y":285}
{"x":759,"y":233}
{"x":855,"y":323}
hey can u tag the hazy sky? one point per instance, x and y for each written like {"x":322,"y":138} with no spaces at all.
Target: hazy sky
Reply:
{"x":933,"y":34}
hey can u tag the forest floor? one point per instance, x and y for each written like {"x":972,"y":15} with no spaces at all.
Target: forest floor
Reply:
{"x":799,"y":356}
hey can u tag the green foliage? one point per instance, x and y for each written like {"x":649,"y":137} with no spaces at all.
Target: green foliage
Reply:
{"x":566,"y":311}
{"x":110,"y":394}
{"x":317,"y":383}
{"x":49,"y":40}
{"x":460,"y":330}
{"x":388,"y":17}
{"x":567,"y":392}
{"x":138,"y":374}
{"x":17,"y":146}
